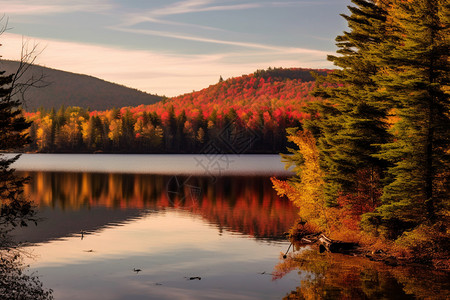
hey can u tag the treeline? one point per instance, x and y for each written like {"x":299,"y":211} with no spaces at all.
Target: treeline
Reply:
{"x":137,"y":130}
{"x":248,"y":114}
{"x":280,"y":74}
{"x":373,"y":162}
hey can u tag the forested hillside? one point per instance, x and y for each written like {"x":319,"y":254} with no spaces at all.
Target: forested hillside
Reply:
{"x":59,"y":88}
{"x":243,"y":114}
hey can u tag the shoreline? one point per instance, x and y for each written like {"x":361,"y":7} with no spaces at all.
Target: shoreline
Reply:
{"x":356,"y":250}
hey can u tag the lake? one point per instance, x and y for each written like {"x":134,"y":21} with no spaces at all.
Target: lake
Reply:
{"x":185,"y":227}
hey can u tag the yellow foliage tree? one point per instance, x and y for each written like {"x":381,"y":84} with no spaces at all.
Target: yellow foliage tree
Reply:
{"x":305,"y":190}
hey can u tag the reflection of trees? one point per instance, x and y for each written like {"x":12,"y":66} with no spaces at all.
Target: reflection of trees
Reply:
{"x":15,"y":210}
{"x":337,"y":276}
{"x":248,"y":206}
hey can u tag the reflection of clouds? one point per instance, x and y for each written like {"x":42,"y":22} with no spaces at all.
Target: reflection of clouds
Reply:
{"x":167,"y":247}
{"x":109,"y":242}
{"x":169,"y":292}
{"x":153,"y":234}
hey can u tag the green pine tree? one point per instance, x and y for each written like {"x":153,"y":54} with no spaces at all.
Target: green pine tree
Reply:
{"x":415,"y":75}
{"x":14,"y":209}
{"x":350,"y":123}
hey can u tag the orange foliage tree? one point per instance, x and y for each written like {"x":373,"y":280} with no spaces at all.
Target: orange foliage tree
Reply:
{"x":306,"y":191}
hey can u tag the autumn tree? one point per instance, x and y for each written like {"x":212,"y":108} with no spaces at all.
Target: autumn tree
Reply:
{"x":305,"y":190}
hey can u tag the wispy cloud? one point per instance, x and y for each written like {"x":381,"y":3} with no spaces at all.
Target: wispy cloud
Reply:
{"x":223,"y":42}
{"x":183,"y":7}
{"x":297,"y":3}
{"x":44,"y":7}
{"x":191,"y":6}
{"x":156,"y":71}
{"x":180,"y":7}
{"x":151,"y":71}
{"x":158,"y":15}
{"x":131,"y":20}
{"x":197,"y":6}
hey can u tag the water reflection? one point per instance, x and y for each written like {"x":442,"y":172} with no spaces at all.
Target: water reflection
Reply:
{"x":99,"y":228}
{"x":337,"y":276}
{"x":247,"y":206}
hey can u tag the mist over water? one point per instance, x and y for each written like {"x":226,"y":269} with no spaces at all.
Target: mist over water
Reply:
{"x":182,"y":164}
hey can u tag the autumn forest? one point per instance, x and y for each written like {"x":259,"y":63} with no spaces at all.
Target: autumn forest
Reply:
{"x":245,"y":114}
{"x":367,"y":143}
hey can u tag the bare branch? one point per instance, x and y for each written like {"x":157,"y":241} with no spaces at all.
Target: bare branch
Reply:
{"x":4,"y":27}
{"x":22,"y":81}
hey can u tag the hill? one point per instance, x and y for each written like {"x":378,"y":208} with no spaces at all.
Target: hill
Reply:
{"x":277,"y":90}
{"x":246,"y":114}
{"x":70,"y":89}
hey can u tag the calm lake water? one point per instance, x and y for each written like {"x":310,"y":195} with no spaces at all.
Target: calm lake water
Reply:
{"x":197,"y":227}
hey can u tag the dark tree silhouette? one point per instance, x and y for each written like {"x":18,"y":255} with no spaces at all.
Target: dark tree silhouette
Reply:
{"x":15,"y":210}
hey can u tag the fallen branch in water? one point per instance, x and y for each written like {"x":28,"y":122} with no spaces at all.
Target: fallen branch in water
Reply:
{"x":302,"y":236}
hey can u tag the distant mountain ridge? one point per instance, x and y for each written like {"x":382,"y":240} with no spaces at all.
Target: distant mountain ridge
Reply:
{"x":70,"y":89}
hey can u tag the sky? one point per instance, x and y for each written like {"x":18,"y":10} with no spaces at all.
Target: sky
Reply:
{"x":172,"y":47}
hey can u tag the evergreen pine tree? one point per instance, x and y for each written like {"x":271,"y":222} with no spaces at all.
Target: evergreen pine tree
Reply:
{"x":14,"y":210}
{"x":350,"y":123}
{"x":415,"y":74}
